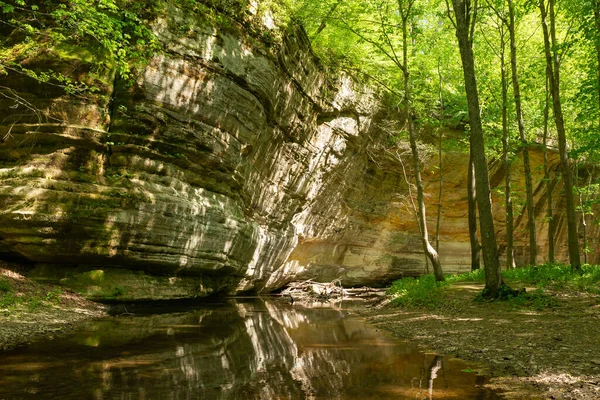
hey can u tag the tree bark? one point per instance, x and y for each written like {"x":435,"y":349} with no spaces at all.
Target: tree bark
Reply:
{"x":429,"y":250}
{"x":472,"y":205}
{"x":553,"y":70}
{"x":510,"y":259}
{"x":441,"y":180}
{"x":522,"y":136}
{"x":464,"y":22}
{"x":597,"y":22}
{"x":549,"y":186}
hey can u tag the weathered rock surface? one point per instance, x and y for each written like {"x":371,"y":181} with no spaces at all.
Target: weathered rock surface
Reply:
{"x":229,"y":165}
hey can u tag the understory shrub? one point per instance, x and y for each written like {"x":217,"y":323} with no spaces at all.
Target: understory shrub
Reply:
{"x":474,"y":276}
{"x":420,"y":292}
{"x":544,"y":275}
{"x":557,"y":275}
{"x":4,"y":285}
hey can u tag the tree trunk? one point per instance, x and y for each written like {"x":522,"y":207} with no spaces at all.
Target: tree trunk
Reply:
{"x":553,"y":70}
{"x":464,"y":27}
{"x":441,"y":181}
{"x":414,"y":207}
{"x":472,"y":205}
{"x":597,"y":21}
{"x":522,"y":136}
{"x":429,"y":250}
{"x":583,"y":203}
{"x":549,"y":186}
{"x":510,"y":259}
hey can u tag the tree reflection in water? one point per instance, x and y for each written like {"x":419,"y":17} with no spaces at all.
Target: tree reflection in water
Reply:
{"x":250,"y":349}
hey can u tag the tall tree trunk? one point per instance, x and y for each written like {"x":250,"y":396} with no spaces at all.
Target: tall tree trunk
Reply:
{"x":549,"y":186}
{"x":465,"y":26}
{"x":597,"y":21}
{"x":583,"y":203}
{"x":429,"y":250}
{"x":414,"y":207}
{"x":441,"y":181}
{"x":522,"y":136}
{"x":553,"y":69}
{"x":472,"y":206}
{"x":510,"y":259}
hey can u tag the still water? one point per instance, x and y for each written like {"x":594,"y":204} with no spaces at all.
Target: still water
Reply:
{"x":233,"y":349}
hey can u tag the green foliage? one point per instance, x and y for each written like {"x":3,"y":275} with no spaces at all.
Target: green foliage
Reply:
{"x":12,"y":302}
{"x":114,"y":30}
{"x":418,"y":292}
{"x":555,"y":276}
{"x":53,"y":296}
{"x":537,"y":300}
{"x":118,"y":291}
{"x":473,"y":276}
{"x":558,"y":276}
{"x":5,"y":285}
{"x":8,"y":300}
{"x":33,"y":304}
{"x":365,"y":37}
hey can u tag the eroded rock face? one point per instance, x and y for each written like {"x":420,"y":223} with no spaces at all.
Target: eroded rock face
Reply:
{"x":198,"y":170}
{"x":227,"y":166}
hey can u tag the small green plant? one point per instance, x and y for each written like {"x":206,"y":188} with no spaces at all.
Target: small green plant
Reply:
{"x":468,"y":370}
{"x":53,"y":296}
{"x":5,"y":285}
{"x":473,"y":276}
{"x":118,"y":291}
{"x":537,"y":300}
{"x":33,"y":304}
{"x":8,"y":300}
{"x":558,"y":276}
{"x":420,"y":292}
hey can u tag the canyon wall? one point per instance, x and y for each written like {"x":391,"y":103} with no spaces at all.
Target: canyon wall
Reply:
{"x":230,"y":165}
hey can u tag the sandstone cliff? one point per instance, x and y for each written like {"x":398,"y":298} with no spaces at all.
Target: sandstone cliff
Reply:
{"x":230,"y":165}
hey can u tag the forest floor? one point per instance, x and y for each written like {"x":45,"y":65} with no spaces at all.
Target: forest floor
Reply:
{"x":30,"y":311}
{"x":551,"y":353}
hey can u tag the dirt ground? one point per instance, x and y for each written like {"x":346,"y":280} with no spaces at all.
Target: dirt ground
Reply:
{"x":548,"y":354}
{"x":30,"y":311}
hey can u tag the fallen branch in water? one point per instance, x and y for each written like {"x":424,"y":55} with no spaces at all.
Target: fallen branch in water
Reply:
{"x":310,"y":290}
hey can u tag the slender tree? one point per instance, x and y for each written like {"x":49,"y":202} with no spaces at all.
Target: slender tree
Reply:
{"x":549,"y":185}
{"x":472,"y":217}
{"x":404,"y":8}
{"x":522,"y":135}
{"x":465,"y":13}
{"x":441,"y":171}
{"x":553,"y":71}
{"x":501,"y":27}
{"x":384,"y":42}
{"x":510,"y":259}
{"x":597,"y":43}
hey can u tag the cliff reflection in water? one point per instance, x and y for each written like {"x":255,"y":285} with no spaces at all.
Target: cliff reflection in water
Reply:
{"x":238,"y":350}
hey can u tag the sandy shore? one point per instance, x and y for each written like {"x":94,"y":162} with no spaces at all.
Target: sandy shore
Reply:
{"x":30,"y":311}
{"x":549,"y":354}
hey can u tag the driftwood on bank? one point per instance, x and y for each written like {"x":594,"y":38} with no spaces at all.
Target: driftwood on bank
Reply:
{"x":317,"y":291}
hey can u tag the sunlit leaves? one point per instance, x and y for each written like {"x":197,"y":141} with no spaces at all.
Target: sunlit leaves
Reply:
{"x":106,"y":25}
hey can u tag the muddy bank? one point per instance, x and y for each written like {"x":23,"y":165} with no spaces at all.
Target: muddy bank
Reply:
{"x":549,"y":354}
{"x":30,"y":311}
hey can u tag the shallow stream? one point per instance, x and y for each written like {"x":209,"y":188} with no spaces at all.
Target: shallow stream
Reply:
{"x":252,"y":348}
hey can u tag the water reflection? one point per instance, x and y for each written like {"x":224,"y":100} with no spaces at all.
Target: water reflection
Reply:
{"x":237,"y":350}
